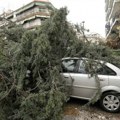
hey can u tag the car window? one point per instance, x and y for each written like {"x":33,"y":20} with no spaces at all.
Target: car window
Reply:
{"x":82,"y":68}
{"x":69,"y":65}
{"x":100,"y":69}
{"x":105,"y":70}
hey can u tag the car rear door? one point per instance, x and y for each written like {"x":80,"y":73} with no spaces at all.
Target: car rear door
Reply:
{"x":114,"y":76}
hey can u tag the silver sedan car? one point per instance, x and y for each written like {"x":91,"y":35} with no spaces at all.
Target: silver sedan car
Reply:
{"x":84,"y":86}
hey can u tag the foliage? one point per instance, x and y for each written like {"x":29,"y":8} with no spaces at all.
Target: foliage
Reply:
{"x":31,"y":87}
{"x":114,"y":42}
{"x":116,"y":52}
{"x":115,"y":57}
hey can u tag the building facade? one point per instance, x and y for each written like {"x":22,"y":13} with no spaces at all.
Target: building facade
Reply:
{"x":30,"y":15}
{"x":112,"y":9}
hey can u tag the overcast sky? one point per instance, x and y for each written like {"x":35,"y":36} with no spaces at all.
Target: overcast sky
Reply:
{"x":90,"y":11}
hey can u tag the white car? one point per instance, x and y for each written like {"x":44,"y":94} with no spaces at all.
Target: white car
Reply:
{"x":84,"y":87}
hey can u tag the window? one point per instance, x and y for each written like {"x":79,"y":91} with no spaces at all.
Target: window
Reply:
{"x":69,"y":65}
{"x":82,"y":67}
{"x":104,"y":70}
{"x":100,"y":69}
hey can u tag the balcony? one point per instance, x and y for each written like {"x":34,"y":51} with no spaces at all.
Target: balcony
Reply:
{"x":109,"y":8}
{"x":37,"y":14}
{"x":108,"y":13}
{"x":106,"y":5}
{"x":115,"y":8}
{"x":112,"y":25}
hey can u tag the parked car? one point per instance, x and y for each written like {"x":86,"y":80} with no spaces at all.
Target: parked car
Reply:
{"x":84,"y":86}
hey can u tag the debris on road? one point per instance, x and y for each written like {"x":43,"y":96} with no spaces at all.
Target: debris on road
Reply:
{"x":74,"y":110}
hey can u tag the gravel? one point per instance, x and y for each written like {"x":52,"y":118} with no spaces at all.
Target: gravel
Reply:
{"x":75,"y":110}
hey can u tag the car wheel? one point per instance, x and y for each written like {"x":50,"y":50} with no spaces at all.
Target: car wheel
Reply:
{"x":110,"y":102}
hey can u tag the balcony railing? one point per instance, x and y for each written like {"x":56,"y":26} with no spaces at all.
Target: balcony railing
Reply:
{"x":106,"y":5}
{"x":109,"y":6}
{"x":112,"y":24}
{"x":114,"y":8}
{"x":23,"y":17}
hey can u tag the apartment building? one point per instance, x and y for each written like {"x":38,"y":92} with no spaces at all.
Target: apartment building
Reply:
{"x":29,"y":15}
{"x":112,"y":9}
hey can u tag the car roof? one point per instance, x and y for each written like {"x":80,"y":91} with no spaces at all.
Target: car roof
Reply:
{"x":66,"y":58}
{"x":82,"y":58}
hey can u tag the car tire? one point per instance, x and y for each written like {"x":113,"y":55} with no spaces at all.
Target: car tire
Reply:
{"x":110,"y":102}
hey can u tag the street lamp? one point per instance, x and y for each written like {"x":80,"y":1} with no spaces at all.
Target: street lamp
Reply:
{"x":83,"y":27}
